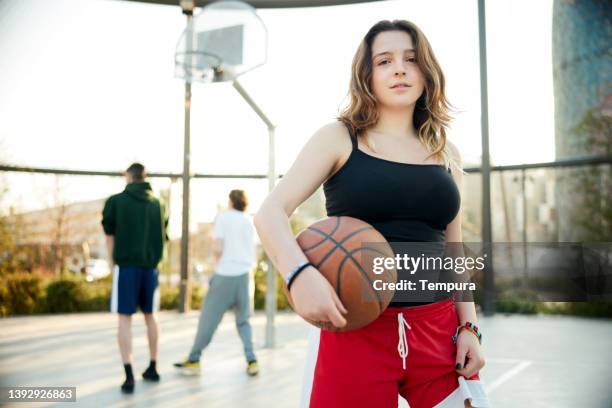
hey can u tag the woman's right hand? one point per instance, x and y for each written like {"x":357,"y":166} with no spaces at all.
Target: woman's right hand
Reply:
{"x":314,"y":299}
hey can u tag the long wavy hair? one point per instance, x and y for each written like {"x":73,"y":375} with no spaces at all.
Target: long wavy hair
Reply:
{"x":432,"y":111}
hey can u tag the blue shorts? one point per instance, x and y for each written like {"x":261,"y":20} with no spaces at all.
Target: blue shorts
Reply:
{"x":134,"y":286}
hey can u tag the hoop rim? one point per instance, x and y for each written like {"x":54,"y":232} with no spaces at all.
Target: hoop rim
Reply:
{"x":189,"y":54}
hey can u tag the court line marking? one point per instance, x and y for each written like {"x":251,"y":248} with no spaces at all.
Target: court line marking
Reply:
{"x":522,"y":364}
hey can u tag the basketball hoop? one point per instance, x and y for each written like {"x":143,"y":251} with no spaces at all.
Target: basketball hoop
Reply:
{"x":225,"y":40}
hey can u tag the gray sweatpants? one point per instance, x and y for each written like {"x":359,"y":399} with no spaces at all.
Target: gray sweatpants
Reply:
{"x":224,"y":292}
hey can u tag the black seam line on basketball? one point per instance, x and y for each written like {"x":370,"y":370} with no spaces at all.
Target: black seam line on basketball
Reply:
{"x":326,"y":235}
{"x":336,"y":246}
{"x":339,"y":244}
{"x":363,"y":273}
{"x":336,"y":243}
{"x":367,"y":277}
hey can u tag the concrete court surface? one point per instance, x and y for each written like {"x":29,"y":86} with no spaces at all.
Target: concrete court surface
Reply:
{"x":532,"y":361}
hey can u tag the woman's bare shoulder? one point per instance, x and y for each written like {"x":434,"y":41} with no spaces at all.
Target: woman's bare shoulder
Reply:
{"x":331,"y":141}
{"x":333,"y":137}
{"x":334,"y":132}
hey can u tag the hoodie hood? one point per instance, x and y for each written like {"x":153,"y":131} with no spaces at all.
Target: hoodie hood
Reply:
{"x":141,"y":191}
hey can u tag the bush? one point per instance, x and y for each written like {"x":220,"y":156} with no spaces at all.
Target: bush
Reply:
{"x":197,"y":296}
{"x":21,"y":293}
{"x":516,"y":306}
{"x":169,"y":297}
{"x":5,"y":308}
{"x":585,"y":309}
{"x":66,"y":295}
{"x":26,"y":293}
{"x":97,"y":297}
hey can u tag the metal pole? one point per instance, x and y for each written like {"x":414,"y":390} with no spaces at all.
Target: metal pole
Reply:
{"x":245,"y":95}
{"x":524,"y":226}
{"x":185,"y":285}
{"x":487,"y":234}
{"x":504,"y":196}
{"x":557,"y":164}
{"x":271,"y":273}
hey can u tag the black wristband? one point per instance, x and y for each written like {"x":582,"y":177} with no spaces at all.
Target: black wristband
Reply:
{"x":295,"y":272}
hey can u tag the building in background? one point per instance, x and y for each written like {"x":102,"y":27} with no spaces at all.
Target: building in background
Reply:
{"x":61,"y":238}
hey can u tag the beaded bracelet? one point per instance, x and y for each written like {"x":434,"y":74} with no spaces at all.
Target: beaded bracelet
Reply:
{"x":469,"y":327}
{"x":295,"y":272}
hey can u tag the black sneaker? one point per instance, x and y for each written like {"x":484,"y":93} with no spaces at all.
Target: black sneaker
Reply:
{"x":128,"y":386}
{"x":150,"y":374}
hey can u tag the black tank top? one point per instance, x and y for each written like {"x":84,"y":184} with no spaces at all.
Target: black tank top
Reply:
{"x":404,"y":202}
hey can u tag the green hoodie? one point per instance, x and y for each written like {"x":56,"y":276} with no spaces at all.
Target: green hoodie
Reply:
{"x":138,"y":222}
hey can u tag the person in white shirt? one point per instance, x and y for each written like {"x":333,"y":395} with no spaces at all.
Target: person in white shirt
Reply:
{"x":229,"y":287}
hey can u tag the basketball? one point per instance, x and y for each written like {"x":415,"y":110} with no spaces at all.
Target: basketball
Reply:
{"x":342,"y":248}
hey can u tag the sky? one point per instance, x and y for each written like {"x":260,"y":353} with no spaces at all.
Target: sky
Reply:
{"x":89,"y":84}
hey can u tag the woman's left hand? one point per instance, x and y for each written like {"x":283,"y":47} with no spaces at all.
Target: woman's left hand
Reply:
{"x":470,"y":358}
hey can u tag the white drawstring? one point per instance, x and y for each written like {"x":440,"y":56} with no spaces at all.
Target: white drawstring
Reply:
{"x":402,"y":347}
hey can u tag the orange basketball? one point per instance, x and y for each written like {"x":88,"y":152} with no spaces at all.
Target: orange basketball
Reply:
{"x":342,"y":248}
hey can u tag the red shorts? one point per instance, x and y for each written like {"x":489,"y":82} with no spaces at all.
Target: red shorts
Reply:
{"x":365,"y":367}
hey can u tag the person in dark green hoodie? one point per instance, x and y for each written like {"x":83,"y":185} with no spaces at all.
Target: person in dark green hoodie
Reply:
{"x":135,"y":224}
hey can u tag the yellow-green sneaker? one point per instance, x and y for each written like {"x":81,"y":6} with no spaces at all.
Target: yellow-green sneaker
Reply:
{"x":252,"y":368}
{"x":187,"y":365}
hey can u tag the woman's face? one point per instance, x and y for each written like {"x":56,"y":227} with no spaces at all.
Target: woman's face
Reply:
{"x":397,"y":80}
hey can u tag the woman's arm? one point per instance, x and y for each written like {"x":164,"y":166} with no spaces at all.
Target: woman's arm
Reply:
{"x":313,"y":297}
{"x":465,"y":310}
{"x":470,"y":358}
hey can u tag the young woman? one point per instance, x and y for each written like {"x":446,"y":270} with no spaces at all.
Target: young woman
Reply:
{"x":386,"y":161}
